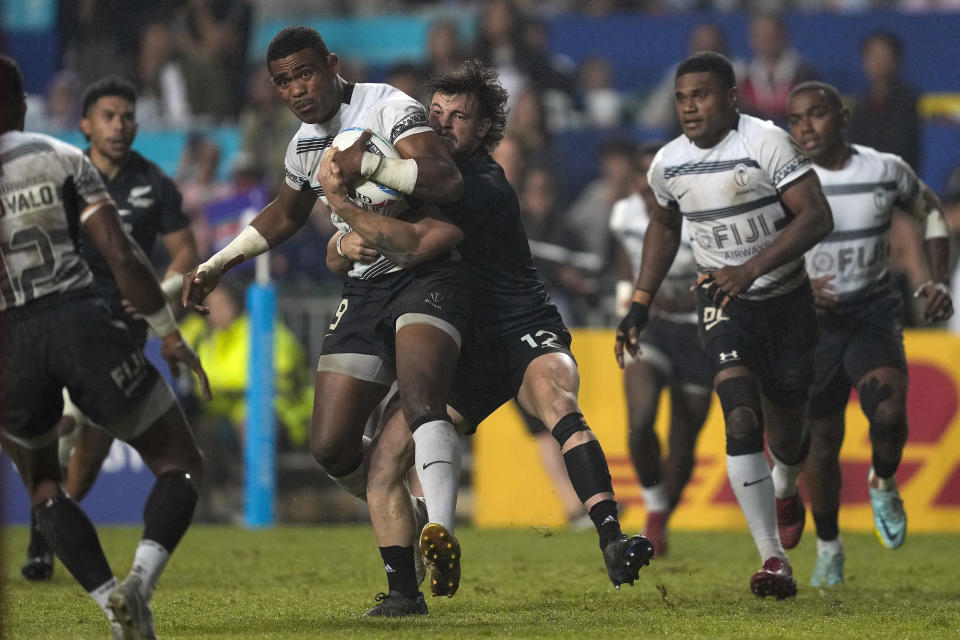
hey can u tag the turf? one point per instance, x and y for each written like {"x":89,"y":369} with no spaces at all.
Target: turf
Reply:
{"x":315,"y":582}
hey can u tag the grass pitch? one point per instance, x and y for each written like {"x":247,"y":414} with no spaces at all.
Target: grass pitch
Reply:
{"x":315,"y":582}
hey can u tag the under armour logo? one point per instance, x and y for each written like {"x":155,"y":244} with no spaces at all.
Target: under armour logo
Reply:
{"x":733,"y":355}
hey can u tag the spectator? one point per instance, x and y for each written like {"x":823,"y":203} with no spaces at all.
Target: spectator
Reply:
{"x":589,"y":216}
{"x":213,"y":35}
{"x":498,"y":44}
{"x":774,"y":70}
{"x":600,"y":102}
{"x":407,"y":77}
{"x":565,"y":269}
{"x":511,"y":155}
{"x":528,"y":121}
{"x":196,"y":177}
{"x":444,"y":48}
{"x":266,"y":126}
{"x":660,"y":111}
{"x":163,"y":88}
{"x":885,"y":117}
{"x":60,"y":110}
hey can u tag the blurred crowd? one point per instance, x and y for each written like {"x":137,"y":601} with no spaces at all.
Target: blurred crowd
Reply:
{"x":189,"y":60}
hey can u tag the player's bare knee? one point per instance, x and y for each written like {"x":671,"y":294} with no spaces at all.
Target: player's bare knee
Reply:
{"x":335,"y":453}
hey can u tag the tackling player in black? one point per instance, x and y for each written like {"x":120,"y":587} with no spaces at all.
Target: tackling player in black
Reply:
{"x":149,"y":206}
{"x":518,"y":347}
{"x":58,"y":334}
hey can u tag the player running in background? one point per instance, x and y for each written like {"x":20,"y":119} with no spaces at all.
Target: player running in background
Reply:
{"x":518,"y":347}
{"x":402,"y":316}
{"x":861,"y":335}
{"x":754,"y":206}
{"x":149,"y":206}
{"x":669,"y":354}
{"x":58,"y":334}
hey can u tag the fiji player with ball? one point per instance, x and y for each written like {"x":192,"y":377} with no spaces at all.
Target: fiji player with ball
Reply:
{"x":394,"y":322}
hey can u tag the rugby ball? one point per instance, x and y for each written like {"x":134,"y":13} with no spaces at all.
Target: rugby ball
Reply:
{"x":370,"y":195}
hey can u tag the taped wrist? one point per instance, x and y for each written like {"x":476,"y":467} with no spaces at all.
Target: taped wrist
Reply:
{"x":396,"y":173}
{"x":248,"y":244}
{"x":161,"y":321}
{"x":172,"y":287}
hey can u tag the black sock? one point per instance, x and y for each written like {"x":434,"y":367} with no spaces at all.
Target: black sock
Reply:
{"x":604,"y":516}
{"x":71,"y":535}
{"x":401,"y":576}
{"x":169,"y":508}
{"x":37,"y":546}
{"x":828,"y":528}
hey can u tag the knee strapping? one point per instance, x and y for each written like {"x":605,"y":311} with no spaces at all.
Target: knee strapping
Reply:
{"x":430,"y":417}
{"x":567,"y":426}
{"x":588,"y":471}
{"x":744,"y":434}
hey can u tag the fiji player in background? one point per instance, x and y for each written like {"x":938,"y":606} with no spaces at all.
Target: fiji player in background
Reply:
{"x":861,"y":334}
{"x":754,"y":206}
{"x":149,"y":206}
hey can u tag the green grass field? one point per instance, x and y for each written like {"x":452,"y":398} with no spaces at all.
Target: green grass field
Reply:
{"x":315,"y":582}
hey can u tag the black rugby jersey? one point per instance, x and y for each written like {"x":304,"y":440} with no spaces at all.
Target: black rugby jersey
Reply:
{"x":149,"y":205}
{"x":507,"y":291}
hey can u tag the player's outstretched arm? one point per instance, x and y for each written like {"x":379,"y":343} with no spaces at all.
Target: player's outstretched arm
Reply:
{"x":405,"y":242}
{"x":137,"y":283}
{"x":273,"y":225}
{"x":425,"y":169}
{"x":659,"y":249}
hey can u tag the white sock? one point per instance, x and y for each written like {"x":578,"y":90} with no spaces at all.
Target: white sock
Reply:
{"x":785,"y":477}
{"x":438,"y":466}
{"x":884,"y":484}
{"x":833,"y":547}
{"x":101,"y":594}
{"x":148,"y":563}
{"x":655,"y":498}
{"x":355,"y":482}
{"x":750,"y":478}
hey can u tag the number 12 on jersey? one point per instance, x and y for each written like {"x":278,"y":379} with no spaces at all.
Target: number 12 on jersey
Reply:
{"x":550,"y":342}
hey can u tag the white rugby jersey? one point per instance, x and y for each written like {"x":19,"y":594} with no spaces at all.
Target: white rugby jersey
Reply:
{"x":730,"y":196}
{"x":862,"y":196}
{"x":45,"y":185}
{"x":379,"y":107}
{"x":628,"y":224}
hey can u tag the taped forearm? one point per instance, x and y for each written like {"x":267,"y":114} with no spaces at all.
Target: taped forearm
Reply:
{"x":396,"y":173}
{"x":172,"y":286}
{"x":161,"y":321}
{"x":248,"y":244}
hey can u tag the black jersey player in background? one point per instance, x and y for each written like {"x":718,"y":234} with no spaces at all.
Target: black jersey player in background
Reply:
{"x":149,"y":206}
{"x":58,"y":334}
{"x":517,"y":347}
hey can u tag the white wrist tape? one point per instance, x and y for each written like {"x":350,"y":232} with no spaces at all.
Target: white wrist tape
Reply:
{"x":172,"y":286}
{"x":339,"y":238}
{"x":248,"y":244}
{"x":396,"y":173}
{"x":161,"y":321}
{"x":936,"y":225}
{"x":939,"y":286}
{"x":623,"y":297}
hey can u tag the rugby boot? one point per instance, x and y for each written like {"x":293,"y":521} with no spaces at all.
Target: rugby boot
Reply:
{"x":889,"y":518}
{"x":791,"y":516}
{"x":775,"y":578}
{"x":39,"y":564}
{"x":420,"y":521}
{"x":656,"y":531}
{"x":829,"y":569}
{"x":397,"y":605}
{"x":132,"y":610}
{"x":625,"y":557}
{"x":442,"y":553}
